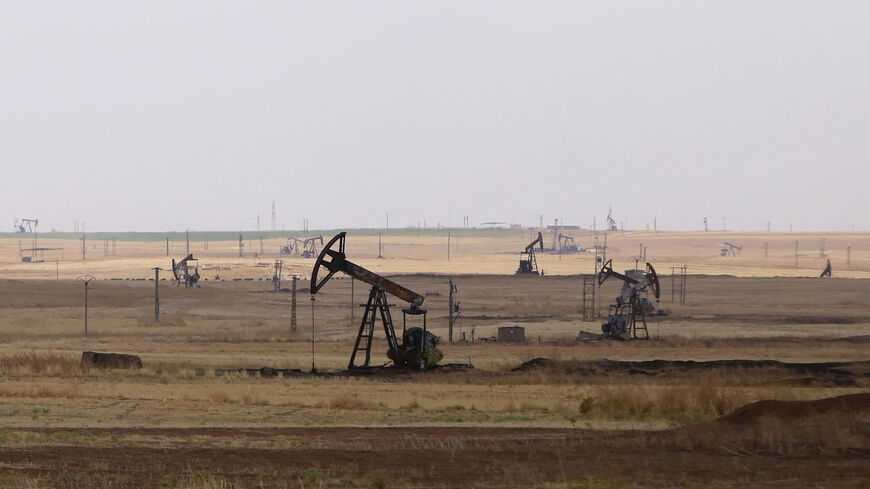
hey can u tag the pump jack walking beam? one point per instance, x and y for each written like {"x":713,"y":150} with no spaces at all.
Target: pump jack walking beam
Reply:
{"x":651,"y":280}
{"x":339,"y":263}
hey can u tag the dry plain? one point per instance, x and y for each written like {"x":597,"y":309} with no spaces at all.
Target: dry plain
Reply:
{"x":586,"y":419}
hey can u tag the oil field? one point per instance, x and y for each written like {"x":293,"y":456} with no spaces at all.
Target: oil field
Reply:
{"x":434,"y":244}
{"x":716,"y":370}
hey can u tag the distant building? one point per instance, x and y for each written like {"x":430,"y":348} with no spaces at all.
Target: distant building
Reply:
{"x":511,"y":334}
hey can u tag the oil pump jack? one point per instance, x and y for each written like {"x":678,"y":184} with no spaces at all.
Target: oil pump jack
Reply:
{"x":309,"y":246}
{"x":729,"y":249}
{"x":26,"y":225}
{"x":292,"y":246}
{"x":528,"y":263}
{"x":418,"y":349}
{"x":611,"y":222}
{"x":181,"y":271}
{"x":622,"y":320}
{"x":566,"y":244}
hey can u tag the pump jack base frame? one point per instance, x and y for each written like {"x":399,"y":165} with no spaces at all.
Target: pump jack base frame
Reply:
{"x":376,"y":305}
{"x":622,"y":323}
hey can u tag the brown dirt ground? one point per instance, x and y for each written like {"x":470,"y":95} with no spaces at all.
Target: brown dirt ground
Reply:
{"x":445,"y":457}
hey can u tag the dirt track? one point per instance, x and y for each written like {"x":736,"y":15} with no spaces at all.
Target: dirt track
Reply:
{"x":421,"y":457}
{"x":789,"y":453}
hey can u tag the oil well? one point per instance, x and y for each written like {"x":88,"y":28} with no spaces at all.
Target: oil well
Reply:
{"x":730,"y":250}
{"x":528,"y":262}
{"x":627,"y":318}
{"x":309,"y":246}
{"x":418,"y":349}
{"x":25,"y":225}
{"x":566,"y":244}
{"x":186,"y":271}
{"x":35,"y":253}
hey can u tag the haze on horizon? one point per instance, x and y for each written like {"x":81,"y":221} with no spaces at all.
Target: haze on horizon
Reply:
{"x":173,"y":115}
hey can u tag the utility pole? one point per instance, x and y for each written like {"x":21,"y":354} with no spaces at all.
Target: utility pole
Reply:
{"x":450,"y":304}
{"x":167,"y":246}
{"x":293,"y":306}
{"x":86,"y":279}
{"x":241,"y":246}
{"x":84,"y":243}
{"x":276,"y":278}
{"x":157,"y":293}
{"x":448,"y":245}
{"x":274,"y":220}
{"x":313,"y":369}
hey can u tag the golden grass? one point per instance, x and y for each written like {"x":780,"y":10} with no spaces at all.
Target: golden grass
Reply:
{"x":477,"y":252}
{"x":180,"y":397}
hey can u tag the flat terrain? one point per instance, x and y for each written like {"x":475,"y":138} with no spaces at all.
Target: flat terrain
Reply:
{"x":472,"y":251}
{"x":593,"y":414}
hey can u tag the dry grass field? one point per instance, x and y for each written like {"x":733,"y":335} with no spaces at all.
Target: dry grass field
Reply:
{"x":491,"y":252}
{"x":598,"y":414}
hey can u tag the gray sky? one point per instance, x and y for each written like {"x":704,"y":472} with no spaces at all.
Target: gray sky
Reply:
{"x":169,"y":115}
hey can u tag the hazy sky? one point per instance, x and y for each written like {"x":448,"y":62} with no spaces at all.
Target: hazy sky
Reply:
{"x":172,"y":115}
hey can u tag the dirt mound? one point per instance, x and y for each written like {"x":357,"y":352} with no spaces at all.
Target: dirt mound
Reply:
{"x":847,"y":405}
{"x":533,"y":364}
{"x":855,"y":339}
{"x":763,"y":372}
{"x":804,"y":428}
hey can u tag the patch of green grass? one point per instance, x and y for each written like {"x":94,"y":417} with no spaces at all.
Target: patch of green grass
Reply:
{"x":67,"y":436}
{"x":586,"y":405}
{"x":378,"y":480}
{"x":312,"y":475}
